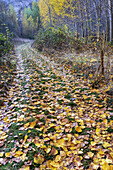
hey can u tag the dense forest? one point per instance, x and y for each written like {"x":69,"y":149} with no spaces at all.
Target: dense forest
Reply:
{"x":24,"y":24}
{"x":82,"y":18}
{"x":56,"y":84}
{"x":86,"y":18}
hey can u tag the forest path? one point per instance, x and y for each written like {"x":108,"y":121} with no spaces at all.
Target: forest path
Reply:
{"x":52,"y":120}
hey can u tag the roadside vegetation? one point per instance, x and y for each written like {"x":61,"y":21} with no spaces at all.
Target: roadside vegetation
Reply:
{"x":7,"y":65}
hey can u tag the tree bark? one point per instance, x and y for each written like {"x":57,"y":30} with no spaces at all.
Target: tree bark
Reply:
{"x":112,"y":21}
{"x":112,"y":29}
{"x":49,"y":9}
{"x":102,"y":61}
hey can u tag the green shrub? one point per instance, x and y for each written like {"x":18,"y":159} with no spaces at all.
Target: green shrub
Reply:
{"x":5,"y":44}
{"x":56,"y":38}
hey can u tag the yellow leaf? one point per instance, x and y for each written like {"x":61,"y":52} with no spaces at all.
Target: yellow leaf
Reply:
{"x":26,"y":125}
{"x":3,"y":137}
{"x":38,"y":144}
{"x":57,"y":158}
{"x":32,"y":107}
{"x":48,"y":150}
{"x":110,"y":167}
{"x":106,"y":145}
{"x":61,"y":142}
{"x":103,"y":115}
{"x":1,"y":154}
{"x":48,"y":164}
{"x":38,"y":102}
{"x":96,"y":160}
{"x":69,"y":153}
{"x":18,"y":153}
{"x":52,"y":125}
{"x":90,"y":75}
{"x":25,"y":168}
{"x":85,"y":97}
{"x":43,"y":146}
{"x":93,"y":143}
{"x":97,"y":131}
{"x":69,"y":136}
{"x":32,"y":125}
{"x":8,"y":154}
{"x":78,"y":129}
{"x":39,"y":159}
{"x":105,"y":122}
{"x":5,"y":119}
{"x":90,"y":154}
{"x":54,"y":164}
{"x":101,"y":152}
{"x":64,"y":148}
{"x":111,"y":154}
{"x":46,"y":139}
{"x":25,"y":138}
{"x":62,"y":154}
{"x":23,"y":157}
{"x":42,"y":167}
{"x":105,"y":166}
{"x":108,"y":160}
{"x":24,"y":110}
{"x":93,"y":59}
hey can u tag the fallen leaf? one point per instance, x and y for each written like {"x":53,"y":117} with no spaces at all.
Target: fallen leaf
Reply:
{"x":8,"y":154}
{"x":1,"y":154}
{"x":25,"y":168}
{"x":57,"y":158}
{"x":106,"y":145}
{"x":90,"y":154}
{"x":78,"y":129}
{"x":48,"y":150}
{"x":39,"y":159}
{"x":54,"y":164}
{"x":25,"y":138}
{"x":32,"y":125}
{"x":18,"y":153}
{"x":54,"y":151}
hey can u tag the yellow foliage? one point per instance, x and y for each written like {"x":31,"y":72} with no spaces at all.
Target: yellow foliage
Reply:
{"x":106,"y":145}
{"x":78,"y":129}
{"x":32,"y":125}
{"x":1,"y":154}
{"x":39,"y":159}
{"x":18,"y":153}
{"x":25,"y":138}
{"x":8,"y":154}
{"x":25,"y":168}
{"x":49,"y":9}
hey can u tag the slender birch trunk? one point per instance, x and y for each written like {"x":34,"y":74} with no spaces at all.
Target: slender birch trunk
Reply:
{"x":110,"y":19}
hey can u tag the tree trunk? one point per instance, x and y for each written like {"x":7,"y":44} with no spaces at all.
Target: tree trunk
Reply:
{"x":110,"y":19}
{"x":50,"y":15}
{"x":102,"y":61}
{"x":112,"y":28}
{"x":97,"y":18}
{"x":49,"y":9}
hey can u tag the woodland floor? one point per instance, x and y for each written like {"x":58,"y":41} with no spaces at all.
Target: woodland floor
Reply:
{"x":53,"y":119}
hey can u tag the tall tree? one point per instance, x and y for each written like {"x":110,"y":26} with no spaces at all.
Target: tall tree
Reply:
{"x":112,"y":20}
{"x":31,"y":20}
{"x":13,"y":18}
{"x":85,"y":17}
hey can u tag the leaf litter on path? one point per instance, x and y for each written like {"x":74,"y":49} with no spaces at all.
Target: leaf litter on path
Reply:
{"x":53,"y":119}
